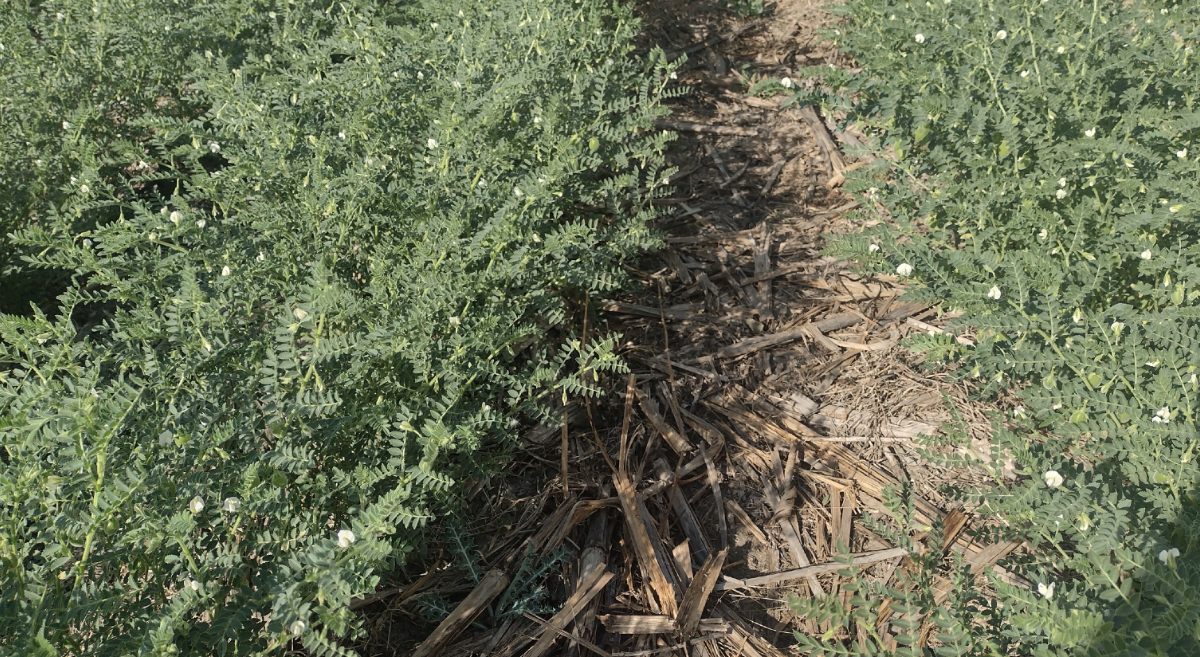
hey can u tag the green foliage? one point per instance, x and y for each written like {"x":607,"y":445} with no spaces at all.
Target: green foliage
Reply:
{"x":745,"y":7}
{"x":315,"y":251}
{"x":891,"y":619}
{"x":1047,"y":187}
{"x":73,"y":84}
{"x":527,"y":591}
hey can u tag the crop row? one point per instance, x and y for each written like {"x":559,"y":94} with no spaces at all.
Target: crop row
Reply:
{"x":1047,"y":185}
{"x":296,"y":262}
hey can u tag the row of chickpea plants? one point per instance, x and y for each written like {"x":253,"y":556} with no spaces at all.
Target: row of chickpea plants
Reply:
{"x":300,"y":267}
{"x":1045,"y":184}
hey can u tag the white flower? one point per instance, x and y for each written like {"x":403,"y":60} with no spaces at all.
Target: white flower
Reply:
{"x":202,"y":223}
{"x":1045,"y":591}
{"x":232,"y":504}
{"x":454,"y":321}
{"x":1163,"y":415}
{"x":66,"y":125}
{"x":1090,"y":133}
{"x":904,"y":269}
{"x":1077,"y":317}
{"x":874,"y":248}
{"x":345,"y":538}
{"x":1166,"y":555}
{"x":431,"y":143}
{"x":299,"y":313}
{"x":537,"y":119}
{"x":1053,"y":479}
{"x":1062,"y":182}
{"x":513,"y":423}
{"x":1061,"y":50}
{"x":1146,"y":255}
{"x":537,"y":238}
{"x":994,"y":293}
{"x":341,"y":134}
{"x":1152,"y":363}
{"x":297,"y":627}
{"x":456,"y":84}
{"x":60,"y":15}
{"x":1002,"y":34}
{"x":225,"y":271}
{"x":193,"y":585}
{"x":786,"y":83}
{"x":1117,"y":327}
{"x":196,"y":505}
{"x":1024,"y":74}
{"x":919,"y":38}
{"x":175,"y":216}
{"x":165,"y":438}
{"x":1164,"y":10}
{"x":517,"y":192}
{"x":420,"y":75}
{"x":1084,"y":522}
{"x":482,"y":183}
{"x":486,"y":408}
{"x":1060,"y":194}
{"x":271,"y":14}
{"x":1181,"y":153}
{"x":1044,"y":234}
{"x":214,"y":147}
{"x":673,"y":75}
{"x":433,"y":25}
{"x":84,"y":188}
{"x":261,"y":256}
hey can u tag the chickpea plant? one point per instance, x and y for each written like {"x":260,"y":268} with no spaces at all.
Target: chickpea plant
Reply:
{"x":1046,"y":185}
{"x":314,"y":256}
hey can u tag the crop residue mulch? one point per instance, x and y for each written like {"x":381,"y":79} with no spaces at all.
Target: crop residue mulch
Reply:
{"x":769,"y":405}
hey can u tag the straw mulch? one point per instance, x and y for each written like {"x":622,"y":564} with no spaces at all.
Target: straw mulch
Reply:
{"x":768,"y":408}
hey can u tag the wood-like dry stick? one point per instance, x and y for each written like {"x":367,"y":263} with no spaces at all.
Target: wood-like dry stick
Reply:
{"x":492,"y":583}
{"x":564,"y":449}
{"x":760,"y":342}
{"x":592,"y":585}
{"x":697,"y":593}
{"x":863,"y":559}
{"x":687,"y":126}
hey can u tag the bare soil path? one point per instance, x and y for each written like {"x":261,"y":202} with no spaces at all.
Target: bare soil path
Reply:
{"x":768,"y":407}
